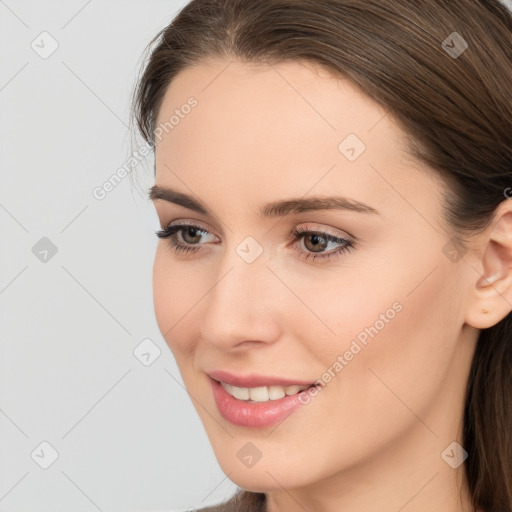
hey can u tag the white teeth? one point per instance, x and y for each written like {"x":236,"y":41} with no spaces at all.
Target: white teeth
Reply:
{"x":262,"y":393}
{"x":259,"y":394}
{"x":291,"y":390}
{"x":240,"y":393}
{"x":276,"y":392}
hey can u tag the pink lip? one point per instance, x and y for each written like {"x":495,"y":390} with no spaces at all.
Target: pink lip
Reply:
{"x":253,"y":414}
{"x":254,"y":381}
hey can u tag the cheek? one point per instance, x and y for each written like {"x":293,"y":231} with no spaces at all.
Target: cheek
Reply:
{"x":175,"y":291}
{"x":352,"y":304}
{"x":398,"y":322}
{"x":401,"y":346}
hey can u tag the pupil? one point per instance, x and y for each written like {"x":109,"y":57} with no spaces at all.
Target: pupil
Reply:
{"x":316,"y":242}
{"x":192,"y":232}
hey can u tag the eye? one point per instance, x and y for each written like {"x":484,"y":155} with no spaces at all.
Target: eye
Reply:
{"x":190,"y":234}
{"x":314,"y":241}
{"x":317,"y":241}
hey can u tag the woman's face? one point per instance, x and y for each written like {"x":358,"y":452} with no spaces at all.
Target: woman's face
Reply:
{"x":374,"y":315}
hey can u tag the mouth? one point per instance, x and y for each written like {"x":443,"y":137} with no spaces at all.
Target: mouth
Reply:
{"x":258,"y":406}
{"x":262,"y":393}
{"x":255,"y":381}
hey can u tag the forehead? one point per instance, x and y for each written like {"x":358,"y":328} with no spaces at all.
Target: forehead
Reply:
{"x":276,"y":104}
{"x":280,"y":130}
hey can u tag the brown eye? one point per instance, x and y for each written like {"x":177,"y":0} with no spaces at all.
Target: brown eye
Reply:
{"x":194,"y":233}
{"x":318,"y":243}
{"x":315,"y":243}
{"x":184,"y":238}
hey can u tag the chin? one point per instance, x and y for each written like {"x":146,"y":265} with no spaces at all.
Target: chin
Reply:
{"x":260,"y":481}
{"x":267,"y":474}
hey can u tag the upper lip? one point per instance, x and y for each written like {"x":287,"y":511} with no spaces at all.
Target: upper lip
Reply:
{"x":254,"y":381}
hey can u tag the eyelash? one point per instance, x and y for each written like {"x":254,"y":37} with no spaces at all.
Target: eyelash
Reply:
{"x":299,"y":233}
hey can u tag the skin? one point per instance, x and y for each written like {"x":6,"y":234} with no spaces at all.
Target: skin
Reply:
{"x":374,"y":435}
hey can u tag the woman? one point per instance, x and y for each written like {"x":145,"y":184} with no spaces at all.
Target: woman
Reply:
{"x":334,"y":275}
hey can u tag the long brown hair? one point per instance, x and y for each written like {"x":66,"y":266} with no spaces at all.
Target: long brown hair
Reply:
{"x":456,"y":109}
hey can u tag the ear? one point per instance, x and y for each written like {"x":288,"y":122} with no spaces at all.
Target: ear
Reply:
{"x":491,"y":293}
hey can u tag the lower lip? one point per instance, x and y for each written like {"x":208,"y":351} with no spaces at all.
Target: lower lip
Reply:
{"x":253,"y":414}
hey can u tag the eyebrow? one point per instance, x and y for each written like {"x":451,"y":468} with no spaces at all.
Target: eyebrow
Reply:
{"x":274,"y":209}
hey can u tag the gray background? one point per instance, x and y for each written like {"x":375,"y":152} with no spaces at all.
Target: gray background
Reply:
{"x":126,"y":434}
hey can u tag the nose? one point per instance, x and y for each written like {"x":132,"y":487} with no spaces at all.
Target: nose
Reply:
{"x":243,"y":308}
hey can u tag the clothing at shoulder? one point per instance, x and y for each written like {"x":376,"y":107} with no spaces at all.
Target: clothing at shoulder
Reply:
{"x":242,"y":501}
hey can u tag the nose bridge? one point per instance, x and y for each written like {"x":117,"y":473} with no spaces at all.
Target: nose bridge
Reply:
{"x":240,"y":305}
{"x":243,"y":272}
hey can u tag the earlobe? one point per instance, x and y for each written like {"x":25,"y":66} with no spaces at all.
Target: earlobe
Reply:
{"x":491,"y":298}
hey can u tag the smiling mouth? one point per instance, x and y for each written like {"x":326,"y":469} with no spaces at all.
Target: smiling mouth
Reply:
{"x":258,"y":406}
{"x":262,"y":393}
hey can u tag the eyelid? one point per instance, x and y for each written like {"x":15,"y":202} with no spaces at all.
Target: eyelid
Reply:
{"x":193,"y":223}
{"x":299,"y":229}
{"x":325,"y":230}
